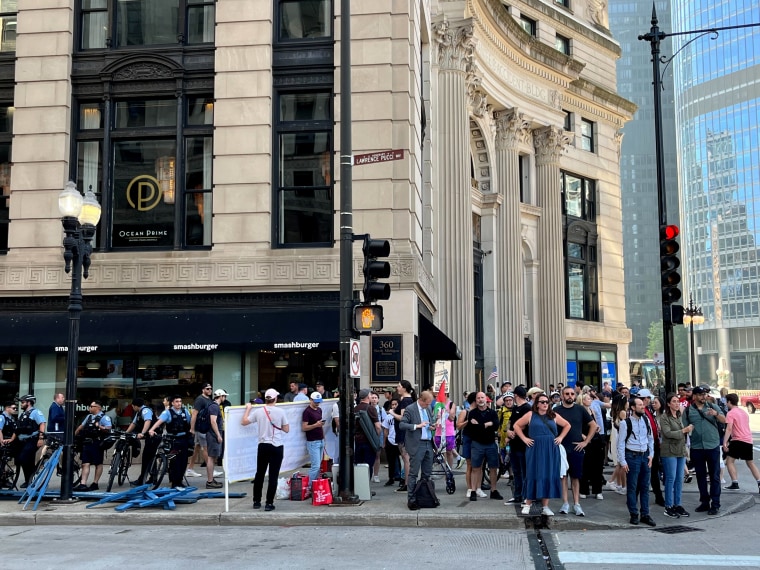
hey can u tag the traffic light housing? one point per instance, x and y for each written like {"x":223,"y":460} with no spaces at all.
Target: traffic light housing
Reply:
{"x":669,"y":264}
{"x":368,"y":318}
{"x":374,"y":269}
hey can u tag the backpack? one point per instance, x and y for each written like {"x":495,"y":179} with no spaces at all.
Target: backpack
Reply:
{"x":202,"y":421}
{"x":368,"y":428}
{"x":629,"y":425}
{"x":721,"y":427}
{"x":424,"y":494}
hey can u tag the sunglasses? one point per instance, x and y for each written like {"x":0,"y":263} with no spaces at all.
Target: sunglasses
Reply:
{"x":543,"y":401}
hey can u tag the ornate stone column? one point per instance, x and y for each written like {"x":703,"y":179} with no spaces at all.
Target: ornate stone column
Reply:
{"x":511,"y":130}
{"x":454,"y":49}
{"x":551,"y":345}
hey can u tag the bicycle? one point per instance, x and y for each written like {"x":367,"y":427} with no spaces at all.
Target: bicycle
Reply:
{"x":165,"y":454}
{"x":51,"y":444}
{"x":122,"y":457}
{"x":7,"y":470}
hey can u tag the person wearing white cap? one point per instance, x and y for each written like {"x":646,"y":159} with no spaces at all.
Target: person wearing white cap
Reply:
{"x":272,"y":423}
{"x":312,"y":423}
{"x":214,"y":438}
{"x":654,"y":473}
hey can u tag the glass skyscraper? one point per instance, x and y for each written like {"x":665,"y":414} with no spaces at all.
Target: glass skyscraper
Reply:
{"x":717,"y":96}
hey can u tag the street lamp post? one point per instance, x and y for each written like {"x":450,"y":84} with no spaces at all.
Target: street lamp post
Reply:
{"x":80,"y":214}
{"x":692,"y":315}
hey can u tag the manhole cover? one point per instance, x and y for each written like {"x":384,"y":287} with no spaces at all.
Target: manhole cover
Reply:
{"x":677,"y":529}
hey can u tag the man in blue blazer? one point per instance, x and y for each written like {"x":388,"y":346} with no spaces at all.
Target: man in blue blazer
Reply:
{"x":418,"y":422}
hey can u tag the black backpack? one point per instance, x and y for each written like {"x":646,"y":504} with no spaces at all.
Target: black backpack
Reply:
{"x":203,"y":421}
{"x":424,"y":494}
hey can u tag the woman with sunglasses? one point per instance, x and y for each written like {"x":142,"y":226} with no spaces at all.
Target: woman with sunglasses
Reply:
{"x":543,"y":460}
{"x":673,"y":455}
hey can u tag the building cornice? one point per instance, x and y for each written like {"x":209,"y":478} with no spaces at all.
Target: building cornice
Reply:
{"x":593,"y":99}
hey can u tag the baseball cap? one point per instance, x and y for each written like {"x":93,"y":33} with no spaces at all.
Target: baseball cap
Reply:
{"x":319,"y":383}
{"x":509,"y":395}
{"x":363,"y":393}
{"x":554,"y":394}
{"x":535,"y":390}
{"x":220,"y":392}
{"x":699,"y":390}
{"x":271,"y":394}
{"x":316,"y":396}
{"x":520,"y":391}
{"x":206,"y":385}
{"x":644,"y":393}
{"x":706,"y":388}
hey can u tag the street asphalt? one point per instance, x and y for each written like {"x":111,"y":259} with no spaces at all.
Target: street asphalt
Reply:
{"x":386,"y":508}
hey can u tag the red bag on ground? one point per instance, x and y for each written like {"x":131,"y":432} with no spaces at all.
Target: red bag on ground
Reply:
{"x":321,"y":493}
{"x":299,"y":487}
{"x":326,"y":465}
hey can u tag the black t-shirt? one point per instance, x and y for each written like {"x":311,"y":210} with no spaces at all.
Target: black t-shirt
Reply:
{"x":578,"y":418}
{"x":517,"y":444}
{"x":402,"y":404}
{"x":479,"y":432}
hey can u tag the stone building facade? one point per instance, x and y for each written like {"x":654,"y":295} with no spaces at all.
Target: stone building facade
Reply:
{"x":209,"y":130}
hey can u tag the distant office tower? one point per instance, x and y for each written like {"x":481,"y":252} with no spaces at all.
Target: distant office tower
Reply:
{"x":717,"y":94}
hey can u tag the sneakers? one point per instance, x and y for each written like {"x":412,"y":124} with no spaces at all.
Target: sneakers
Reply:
{"x":460,"y":463}
{"x":257,"y":505}
{"x":703,"y":508}
{"x":713,"y":511}
{"x":473,"y":496}
{"x":192,"y":473}
{"x":582,"y":496}
{"x":376,"y":479}
{"x":93,"y":487}
{"x":78,"y":488}
{"x":525,"y":510}
{"x":513,"y":500}
{"x":401,"y":488}
{"x":564,"y":509}
{"x":734,"y":485}
{"x":389,"y":483}
{"x":468,"y":493}
{"x":599,"y":497}
{"x":688,"y":478}
{"x":218,"y":473}
{"x":647,"y":520}
{"x":621,"y":490}
{"x":681,"y":511}
{"x":672,"y":513}
{"x":578,"y":510}
{"x":546,"y":511}
{"x":213,"y":484}
{"x":481,"y":493}
{"x":496,"y":495}
{"x":611,"y":486}
{"x":269,"y":507}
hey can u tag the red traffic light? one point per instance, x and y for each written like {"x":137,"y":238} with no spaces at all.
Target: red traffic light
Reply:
{"x":669,"y":232}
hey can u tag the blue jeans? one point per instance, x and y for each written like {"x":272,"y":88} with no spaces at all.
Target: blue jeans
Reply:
{"x":315,"y":449}
{"x":519,"y":470}
{"x":673,"y":467}
{"x":707,"y":461}
{"x":637,"y":483}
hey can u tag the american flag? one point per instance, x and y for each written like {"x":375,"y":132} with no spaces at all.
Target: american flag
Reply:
{"x":493,"y":375}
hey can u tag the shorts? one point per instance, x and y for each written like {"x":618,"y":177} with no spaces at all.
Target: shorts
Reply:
{"x":575,"y":462}
{"x":487,"y":451}
{"x":740,"y":450}
{"x":92,"y":453}
{"x":200,"y":439}
{"x":466,"y":447}
{"x":451,"y":442}
{"x":213,"y":445}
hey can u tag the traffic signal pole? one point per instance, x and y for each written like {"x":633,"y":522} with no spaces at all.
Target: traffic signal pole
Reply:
{"x":347,"y":420}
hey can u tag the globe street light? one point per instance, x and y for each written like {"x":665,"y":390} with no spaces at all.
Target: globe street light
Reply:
{"x":80,"y":216}
{"x":692,"y":315}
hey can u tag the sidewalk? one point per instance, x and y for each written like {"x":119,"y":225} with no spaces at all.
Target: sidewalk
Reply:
{"x":387,"y":508}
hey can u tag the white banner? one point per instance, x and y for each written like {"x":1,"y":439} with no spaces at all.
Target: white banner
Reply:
{"x":241,"y":442}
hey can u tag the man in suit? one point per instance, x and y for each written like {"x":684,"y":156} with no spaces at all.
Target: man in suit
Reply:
{"x":418,"y":423}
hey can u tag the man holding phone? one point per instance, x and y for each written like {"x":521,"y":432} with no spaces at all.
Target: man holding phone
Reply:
{"x":312,"y":424}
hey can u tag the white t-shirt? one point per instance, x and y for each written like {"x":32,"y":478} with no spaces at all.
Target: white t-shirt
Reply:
{"x":270,"y":421}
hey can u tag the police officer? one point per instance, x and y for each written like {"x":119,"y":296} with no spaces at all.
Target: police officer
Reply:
{"x":94,"y":427}
{"x":8,"y":424}
{"x":31,"y":435}
{"x":177,"y":421}
{"x":141,"y":423}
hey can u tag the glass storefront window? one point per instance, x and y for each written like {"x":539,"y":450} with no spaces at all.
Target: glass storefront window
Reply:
{"x":146,"y":22}
{"x":304,"y":19}
{"x":143,"y":197}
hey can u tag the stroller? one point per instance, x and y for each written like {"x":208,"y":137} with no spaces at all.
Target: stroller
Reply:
{"x":441,"y":467}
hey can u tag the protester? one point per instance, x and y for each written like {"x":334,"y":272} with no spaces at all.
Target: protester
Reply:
{"x":618,"y":412}
{"x":363,"y":452}
{"x":647,"y":397}
{"x":543,"y":456}
{"x":272,"y":423}
{"x":312,"y":424}
{"x":390,"y":445}
{"x":738,"y":442}
{"x":407,"y":396}
{"x":374,"y":400}
{"x":592,"y":474}
{"x":214,"y":440}
{"x":517,"y":448}
{"x":482,"y":423}
{"x":469,"y":404}
{"x":673,"y":455}
{"x":199,"y":447}
{"x":445,"y":430}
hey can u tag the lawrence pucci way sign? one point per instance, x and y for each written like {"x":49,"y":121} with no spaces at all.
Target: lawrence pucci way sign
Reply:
{"x":375,"y":157}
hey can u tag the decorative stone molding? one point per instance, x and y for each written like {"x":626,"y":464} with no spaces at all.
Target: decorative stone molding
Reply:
{"x":143,"y":70}
{"x":597,"y":10}
{"x":618,"y":138}
{"x":512,"y":129}
{"x":455,"y":46}
{"x":549,"y":143}
{"x":479,"y":150}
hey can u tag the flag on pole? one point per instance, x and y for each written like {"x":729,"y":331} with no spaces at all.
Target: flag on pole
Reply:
{"x":441,"y":399}
{"x":493,"y":375}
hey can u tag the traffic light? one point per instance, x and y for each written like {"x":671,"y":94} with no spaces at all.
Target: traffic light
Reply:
{"x":669,"y":264}
{"x":368,"y":318}
{"x":374,"y":269}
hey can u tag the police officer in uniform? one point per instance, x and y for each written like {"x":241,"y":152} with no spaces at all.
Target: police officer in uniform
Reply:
{"x":8,"y":439}
{"x":141,"y":423}
{"x":31,"y":435}
{"x":177,"y":421}
{"x":94,"y":427}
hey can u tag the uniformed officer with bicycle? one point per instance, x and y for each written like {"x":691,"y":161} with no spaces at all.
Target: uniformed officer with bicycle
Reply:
{"x":92,"y":430}
{"x":31,"y":435}
{"x":177,"y":420}
{"x":141,"y":423}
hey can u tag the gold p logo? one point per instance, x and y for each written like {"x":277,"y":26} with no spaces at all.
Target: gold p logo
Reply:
{"x":143,"y":192}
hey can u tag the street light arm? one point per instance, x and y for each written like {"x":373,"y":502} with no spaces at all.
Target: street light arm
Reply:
{"x":668,"y":60}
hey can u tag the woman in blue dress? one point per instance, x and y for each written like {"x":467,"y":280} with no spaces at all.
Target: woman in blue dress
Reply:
{"x":542,"y":479}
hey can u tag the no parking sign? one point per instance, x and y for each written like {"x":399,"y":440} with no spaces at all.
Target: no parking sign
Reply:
{"x":354,"y":359}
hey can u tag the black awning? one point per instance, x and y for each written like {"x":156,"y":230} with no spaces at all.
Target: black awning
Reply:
{"x":168,"y":330}
{"x":434,"y":344}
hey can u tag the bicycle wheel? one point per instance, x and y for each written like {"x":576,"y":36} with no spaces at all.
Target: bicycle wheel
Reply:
{"x":158,"y":470}
{"x":114,"y":470}
{"x":126,"y":463}
{"x":7,"y":475}
{"x":40,"y":467}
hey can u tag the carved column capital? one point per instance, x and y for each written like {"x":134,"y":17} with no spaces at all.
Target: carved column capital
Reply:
{"x":550,"y":142}
{"x":512,"y":128}
{"x":455,"y":46}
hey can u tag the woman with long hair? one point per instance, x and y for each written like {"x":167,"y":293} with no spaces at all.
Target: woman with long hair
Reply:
{"x":542,"y":458}
{"x":592,"y":479}
{"x":618,"y":412}
{"x":673,"y":454}
{"x":406,"y":396}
